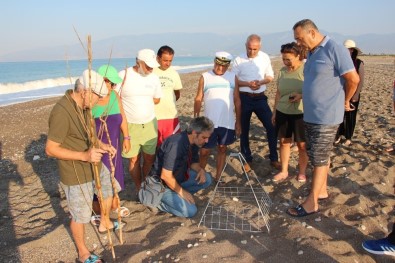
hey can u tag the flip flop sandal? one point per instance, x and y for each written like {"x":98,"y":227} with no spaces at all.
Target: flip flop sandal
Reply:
{"x":299,"y":212}
{"x":124,"y":211}
{"x":95,"y":220}
{"x":92,"y":259}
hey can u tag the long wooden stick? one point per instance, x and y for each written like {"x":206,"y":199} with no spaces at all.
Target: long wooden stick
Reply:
{"x":95,"y":143}
{"x":113,"y":183}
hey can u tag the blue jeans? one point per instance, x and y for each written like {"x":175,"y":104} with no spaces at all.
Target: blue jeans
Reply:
{"x":174,"y":204}
{"x":259,"y":106}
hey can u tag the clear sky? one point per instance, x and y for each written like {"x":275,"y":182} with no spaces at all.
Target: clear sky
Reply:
{"x":27,"y":24}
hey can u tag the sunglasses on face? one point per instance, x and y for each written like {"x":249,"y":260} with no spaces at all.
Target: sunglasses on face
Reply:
{"x":108,"y":81}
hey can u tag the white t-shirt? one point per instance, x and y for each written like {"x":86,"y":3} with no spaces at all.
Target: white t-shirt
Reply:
{"x":137,"y":96}
{"x":218,"y":99}
{"x":248,"y":69}
{"x":169,"y":81}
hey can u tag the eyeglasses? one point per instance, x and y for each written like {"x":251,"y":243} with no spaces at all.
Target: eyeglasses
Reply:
{"x":108,"y":81}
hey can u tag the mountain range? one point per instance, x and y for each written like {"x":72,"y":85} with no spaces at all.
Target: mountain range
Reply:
{"x":190,"y":44}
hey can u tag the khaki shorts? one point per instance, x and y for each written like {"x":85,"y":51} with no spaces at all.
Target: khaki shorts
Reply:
{"x":143,"y":137}
{"x":79,"y":197}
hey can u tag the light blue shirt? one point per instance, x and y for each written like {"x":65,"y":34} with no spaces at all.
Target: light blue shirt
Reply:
{"x":323,"y":94}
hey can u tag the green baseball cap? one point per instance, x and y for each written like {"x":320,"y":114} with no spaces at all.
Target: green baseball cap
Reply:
{"x":110,"y":73}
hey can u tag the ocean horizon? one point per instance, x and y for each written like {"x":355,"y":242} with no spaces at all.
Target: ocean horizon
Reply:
{"x":26,"y":81}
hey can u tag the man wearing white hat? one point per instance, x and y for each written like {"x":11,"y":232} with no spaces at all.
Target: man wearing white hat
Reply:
{"x":220,"y":91}
{"x":140,"y":92}
{"x":69,"y":140}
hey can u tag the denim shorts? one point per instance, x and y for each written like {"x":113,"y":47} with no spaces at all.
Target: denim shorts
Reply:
{"x":319,"y":142}
{"x":79,"y":197}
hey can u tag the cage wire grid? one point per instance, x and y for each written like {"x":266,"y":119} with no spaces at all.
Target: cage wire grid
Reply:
{"x":237,"y":207}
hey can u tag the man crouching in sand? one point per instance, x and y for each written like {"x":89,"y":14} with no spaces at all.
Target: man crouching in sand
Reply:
{"x":177,"y":165}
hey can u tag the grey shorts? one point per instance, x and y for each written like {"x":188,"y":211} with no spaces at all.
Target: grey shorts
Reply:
{"x":79,"y":197}
{"x":319,"y":142}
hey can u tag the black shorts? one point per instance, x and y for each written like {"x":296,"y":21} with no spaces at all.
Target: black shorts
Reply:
{"x":290,"y":124}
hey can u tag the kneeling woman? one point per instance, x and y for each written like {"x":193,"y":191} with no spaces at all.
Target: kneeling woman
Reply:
{"x":288,"y":110}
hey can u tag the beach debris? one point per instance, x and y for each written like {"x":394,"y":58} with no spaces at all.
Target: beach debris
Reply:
{"x":167,"y":255}
{"x":182,"y":224}
{"x":196,"y":244}
{"x":177,"y":259}
{"x":204,"y":256}
{"x":298,"y":239}
{"x":189,"y":246}
{"x":94,"y":246}
{"x":36,"y":157}
{"x":243,"y":242}
{"x":344,"y":168}
{"x":204,"y":234}
{"x":148,"y":252}
{"x":286,"y":204}
{"x":268,"y":180}
{"x":300,"y":252}
{"x":304,"y":224}
{"x":363,"y":227}
{"x":235,"y":199}
{"x":318,"y":219}
{"x":309,"y":227}
{"x":252,"y":236}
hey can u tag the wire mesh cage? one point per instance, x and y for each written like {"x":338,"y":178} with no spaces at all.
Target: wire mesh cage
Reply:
{"x":238,"y":206}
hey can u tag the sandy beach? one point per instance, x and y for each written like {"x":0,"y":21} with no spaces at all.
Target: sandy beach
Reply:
{"x":34,"y":222}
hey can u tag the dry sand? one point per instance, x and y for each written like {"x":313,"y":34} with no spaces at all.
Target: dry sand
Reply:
{"x":34,"y":219}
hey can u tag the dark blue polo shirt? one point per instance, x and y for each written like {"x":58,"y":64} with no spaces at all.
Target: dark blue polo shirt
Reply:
{"x":176,"y":154}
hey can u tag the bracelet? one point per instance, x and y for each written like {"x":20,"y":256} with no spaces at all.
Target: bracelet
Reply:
{"x":126,"y":138}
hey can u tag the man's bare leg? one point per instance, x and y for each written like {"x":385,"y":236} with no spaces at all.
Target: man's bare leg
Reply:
{"x":221,"y":158}
{"x":203,"y":157}
{"x":77,"y":231}
{"x":135,"y":171}
{"x":320,"y":175}
{"x":147,"y":163}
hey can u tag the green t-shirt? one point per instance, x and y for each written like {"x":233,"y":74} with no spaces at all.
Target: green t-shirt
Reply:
{"x":290,"y":83}
{"x":65,"y":127}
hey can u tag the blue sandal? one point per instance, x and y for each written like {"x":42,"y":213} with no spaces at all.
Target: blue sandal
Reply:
{"x":92,"y":259}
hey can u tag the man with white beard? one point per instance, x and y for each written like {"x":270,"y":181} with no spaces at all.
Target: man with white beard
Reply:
{"x":140,"y":92}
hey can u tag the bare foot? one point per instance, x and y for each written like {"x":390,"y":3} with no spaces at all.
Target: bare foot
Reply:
{"x":280,"y":176}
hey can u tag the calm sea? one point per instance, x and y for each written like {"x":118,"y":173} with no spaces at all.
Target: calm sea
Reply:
{"x":25,"y":81}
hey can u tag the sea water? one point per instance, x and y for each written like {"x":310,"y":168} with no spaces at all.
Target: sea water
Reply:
{"x":26,"y":81}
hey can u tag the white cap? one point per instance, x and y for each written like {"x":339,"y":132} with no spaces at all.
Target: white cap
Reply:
{"x":223,"y":58}
{"x":97,"y":82}
{"x":149,"y":57}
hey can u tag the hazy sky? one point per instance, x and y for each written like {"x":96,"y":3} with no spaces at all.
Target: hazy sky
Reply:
{"x":27,"y":24}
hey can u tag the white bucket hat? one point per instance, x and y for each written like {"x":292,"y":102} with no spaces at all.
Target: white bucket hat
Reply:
{"x":351,"y":44}
{"x":97,"y":83}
